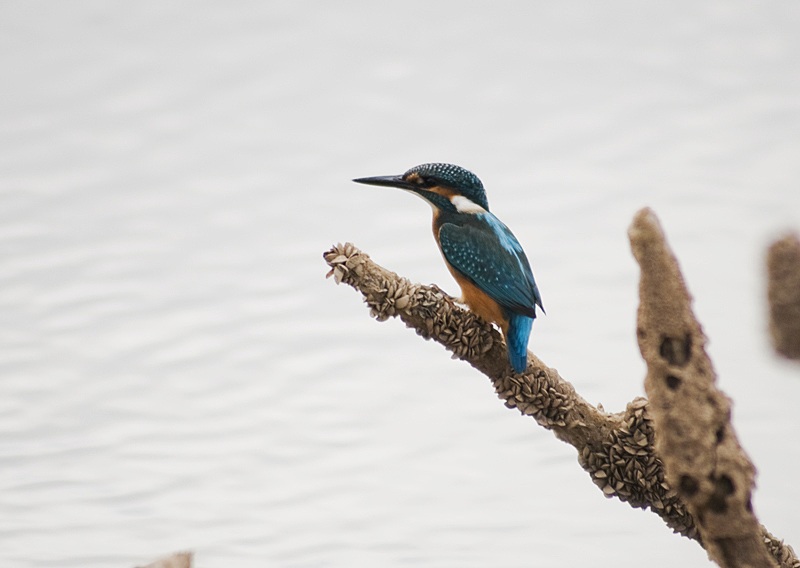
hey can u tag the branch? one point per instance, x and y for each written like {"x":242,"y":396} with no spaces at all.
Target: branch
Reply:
{"x":177,"y":560}
{"x":615,"y":449}
{"x":783,"y":272}
{"x":694,"y":435}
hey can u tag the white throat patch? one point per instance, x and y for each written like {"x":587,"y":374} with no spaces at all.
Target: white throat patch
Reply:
{"x":466,"y":205}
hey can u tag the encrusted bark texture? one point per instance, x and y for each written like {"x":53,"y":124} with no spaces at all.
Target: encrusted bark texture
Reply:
{"x":617,"y":450}
{"x":694,"y":437}
{"x":783,"y":272}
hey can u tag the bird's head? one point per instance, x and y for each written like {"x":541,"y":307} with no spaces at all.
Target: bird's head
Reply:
{"x":445,"y":186}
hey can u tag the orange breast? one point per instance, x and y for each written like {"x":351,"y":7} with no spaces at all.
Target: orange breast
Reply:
{"x":479,"y":302}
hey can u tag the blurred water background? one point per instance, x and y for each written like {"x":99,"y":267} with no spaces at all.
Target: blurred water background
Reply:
{"x":176,"y":372}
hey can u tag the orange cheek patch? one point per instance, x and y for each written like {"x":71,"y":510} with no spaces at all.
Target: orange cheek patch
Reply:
{"x":448,"y":193}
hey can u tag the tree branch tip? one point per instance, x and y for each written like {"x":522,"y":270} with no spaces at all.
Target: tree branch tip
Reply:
{"x":645,"y":224}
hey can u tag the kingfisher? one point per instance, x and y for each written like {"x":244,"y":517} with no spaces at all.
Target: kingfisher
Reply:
{"x":481,"y":253}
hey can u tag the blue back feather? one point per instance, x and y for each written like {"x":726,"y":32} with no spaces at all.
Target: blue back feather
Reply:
{"x":485,"y":251}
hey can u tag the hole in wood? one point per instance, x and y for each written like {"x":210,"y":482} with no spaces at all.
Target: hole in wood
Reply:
{"x":725,"y":485}
{"x":676,"y":351}
{"x":717,"y":504}
{"x":673,"y":382}
{"x":688,"y":485}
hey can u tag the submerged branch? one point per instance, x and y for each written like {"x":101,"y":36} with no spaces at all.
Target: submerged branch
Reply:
{"x":617,"y":450}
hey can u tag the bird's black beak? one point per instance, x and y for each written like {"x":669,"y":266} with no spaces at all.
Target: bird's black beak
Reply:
{"x":386,"y":181}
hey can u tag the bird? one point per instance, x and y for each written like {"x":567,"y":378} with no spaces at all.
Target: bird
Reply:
{"x":483,"y":255}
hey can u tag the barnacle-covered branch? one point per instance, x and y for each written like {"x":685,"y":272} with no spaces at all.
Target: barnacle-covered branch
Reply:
{"x":694,"y":436}
{"x":783,"y":272}
{"x":615,"y":449}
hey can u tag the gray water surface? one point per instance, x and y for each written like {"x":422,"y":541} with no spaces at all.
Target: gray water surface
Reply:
{"x":178,"y":374}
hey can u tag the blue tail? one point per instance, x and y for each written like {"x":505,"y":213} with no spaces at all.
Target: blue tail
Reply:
{"x":519,"y":330}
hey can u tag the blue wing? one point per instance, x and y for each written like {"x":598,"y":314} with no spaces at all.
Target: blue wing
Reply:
{"x":489,"y":255}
